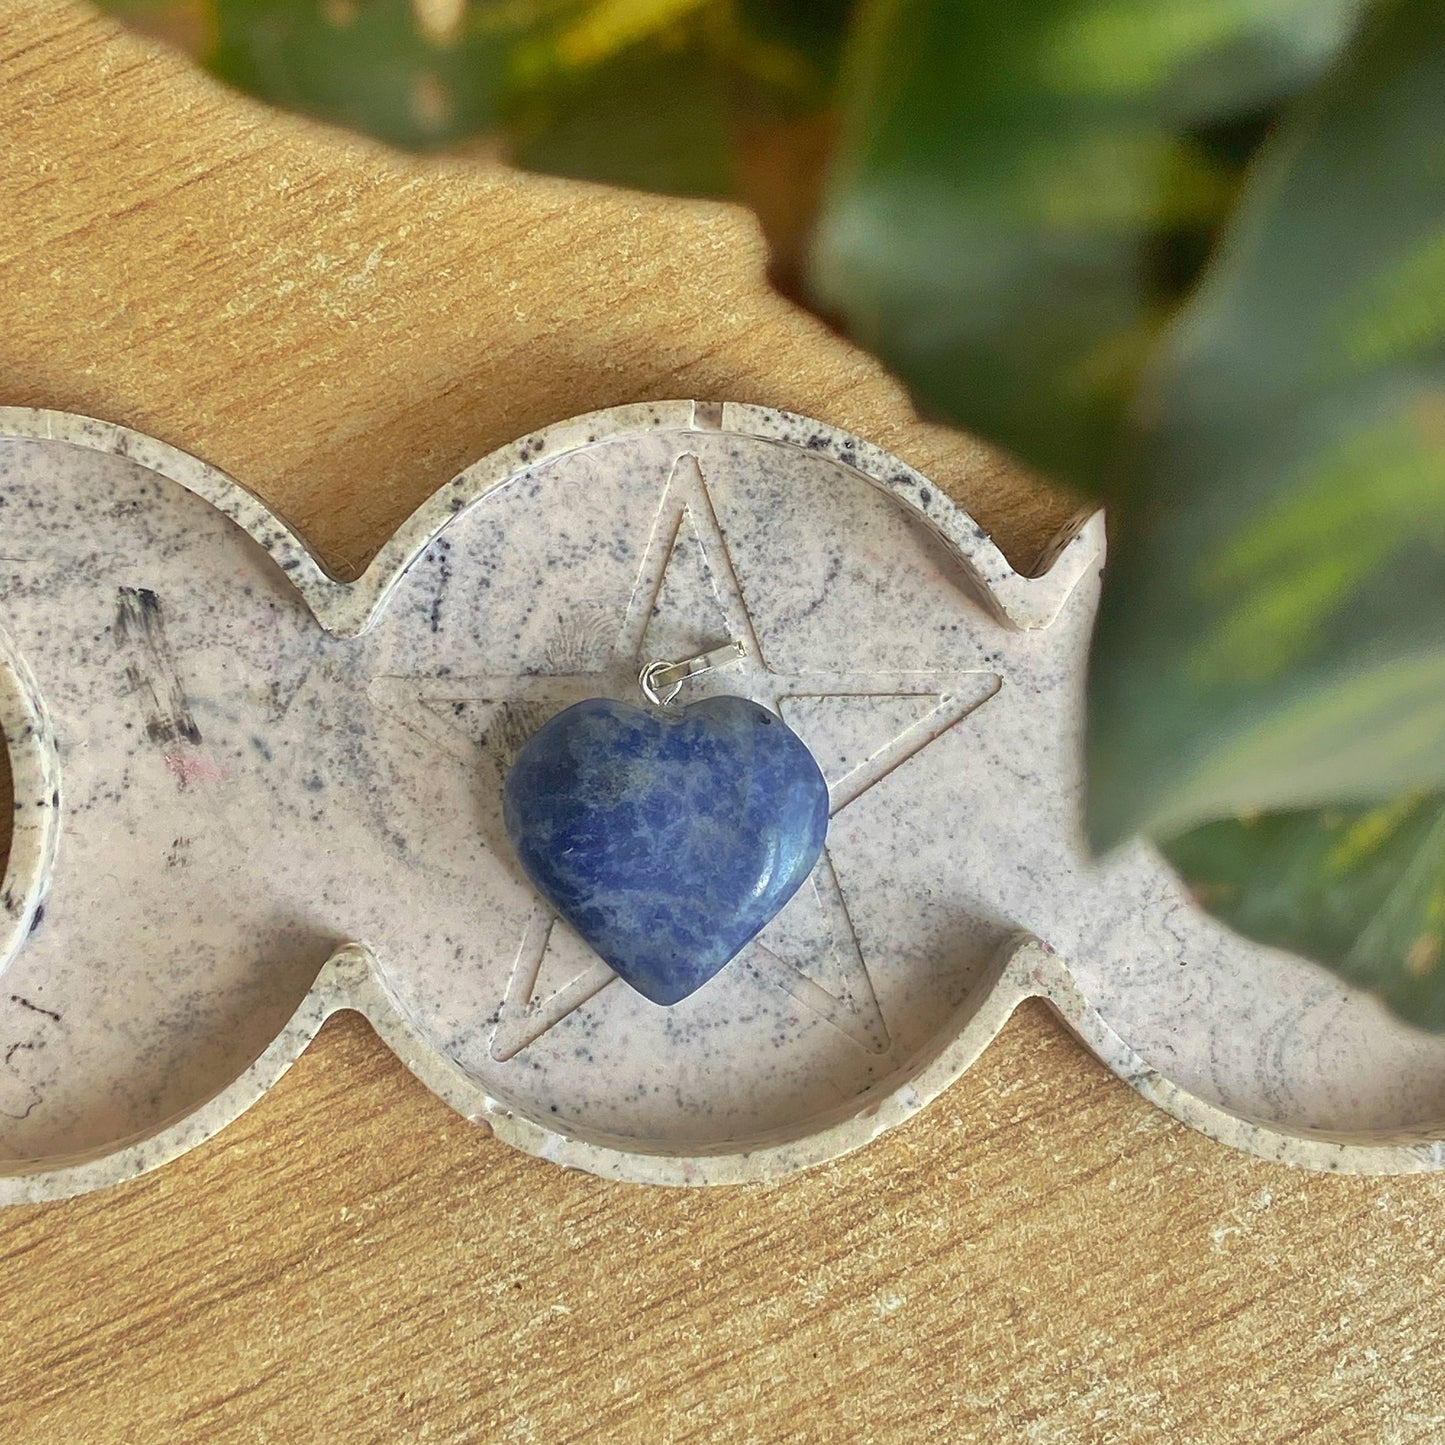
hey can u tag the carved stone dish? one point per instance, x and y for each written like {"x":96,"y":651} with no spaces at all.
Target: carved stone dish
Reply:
{"x":248,"y":795}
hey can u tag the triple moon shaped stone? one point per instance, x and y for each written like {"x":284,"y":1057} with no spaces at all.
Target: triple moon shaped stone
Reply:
{"x":668,"y":838}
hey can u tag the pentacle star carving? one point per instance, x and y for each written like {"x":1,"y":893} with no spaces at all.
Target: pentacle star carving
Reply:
{"x":686,"y":600}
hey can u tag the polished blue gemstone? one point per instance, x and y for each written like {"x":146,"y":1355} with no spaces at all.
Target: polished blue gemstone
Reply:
{"x":666,"y":838}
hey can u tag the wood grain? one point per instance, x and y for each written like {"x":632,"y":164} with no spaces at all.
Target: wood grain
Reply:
{"x":1040,"y":1257}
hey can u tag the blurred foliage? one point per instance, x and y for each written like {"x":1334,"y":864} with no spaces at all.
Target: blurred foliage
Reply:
{"x":1187,"y":256}
{"x":1361,"y":889}
{"x":1024,"y":192}
{"x":1272,"y":638}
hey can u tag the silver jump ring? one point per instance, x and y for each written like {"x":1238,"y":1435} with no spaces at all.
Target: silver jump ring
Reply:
{"x":647,"y":681}
{"x":672,"y":675}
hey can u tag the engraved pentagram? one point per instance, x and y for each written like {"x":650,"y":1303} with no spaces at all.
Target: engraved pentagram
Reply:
{"x":686,"y":599}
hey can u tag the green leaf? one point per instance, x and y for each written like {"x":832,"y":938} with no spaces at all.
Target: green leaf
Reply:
{"x":692,"y":99}
{"x":1361,"y":889}
{"x":1272,"y":633}
{"x":651,"y":113}
{"x":790,"y":50}
{"x":369,"y":65}
{"x":1271,"y":641}
{"x":1022,"y":192}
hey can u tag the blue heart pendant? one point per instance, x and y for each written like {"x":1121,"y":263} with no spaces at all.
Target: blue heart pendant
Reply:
{"x":667,"y":837}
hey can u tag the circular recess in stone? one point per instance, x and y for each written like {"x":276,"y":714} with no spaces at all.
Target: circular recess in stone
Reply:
{"x":863,"y":631}
{"x":155,"y":652}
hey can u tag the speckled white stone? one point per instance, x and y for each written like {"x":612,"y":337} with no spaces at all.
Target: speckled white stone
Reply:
{"x":232,"y":821}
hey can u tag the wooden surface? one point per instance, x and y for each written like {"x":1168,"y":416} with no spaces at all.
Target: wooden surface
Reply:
{"x":1040,"y":1257}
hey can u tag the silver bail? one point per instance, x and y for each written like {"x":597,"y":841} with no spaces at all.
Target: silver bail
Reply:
{"x":662,"y":681}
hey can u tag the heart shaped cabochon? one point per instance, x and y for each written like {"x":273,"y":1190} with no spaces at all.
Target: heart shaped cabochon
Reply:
{"x":247,"y":795}
{"x":667,"y":837}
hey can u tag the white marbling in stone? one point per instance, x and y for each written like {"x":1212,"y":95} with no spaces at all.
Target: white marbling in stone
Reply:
{"x":215,"y":796}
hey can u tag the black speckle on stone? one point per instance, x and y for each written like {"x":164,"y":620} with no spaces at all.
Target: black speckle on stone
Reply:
{"x":34,"y":1007}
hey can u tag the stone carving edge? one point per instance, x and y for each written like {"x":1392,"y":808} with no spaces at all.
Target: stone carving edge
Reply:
{"x":1023,"y":968}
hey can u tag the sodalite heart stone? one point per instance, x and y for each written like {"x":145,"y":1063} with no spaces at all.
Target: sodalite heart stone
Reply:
{"x":666,"y":838}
